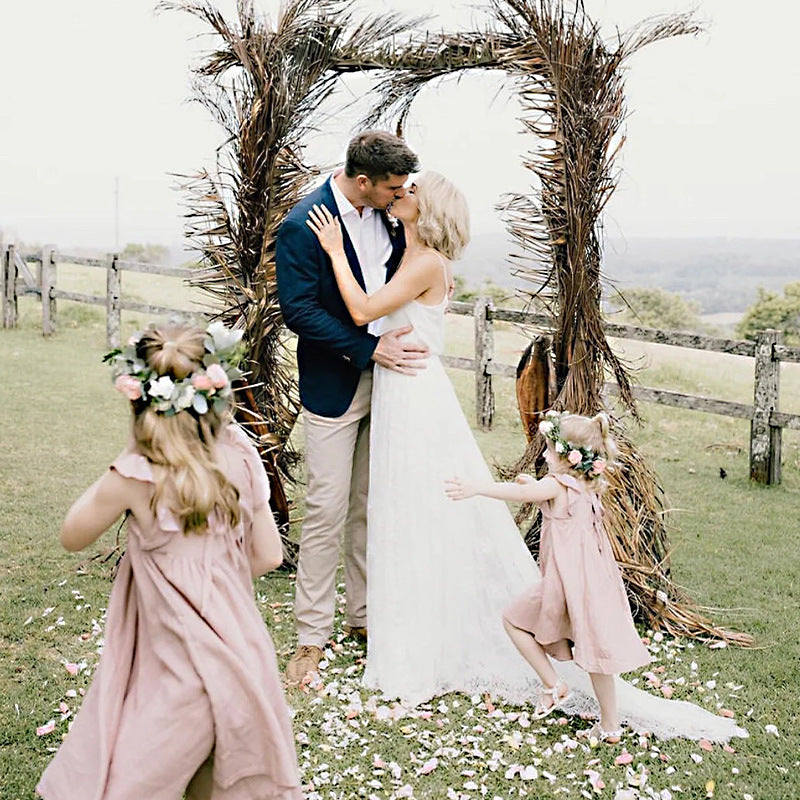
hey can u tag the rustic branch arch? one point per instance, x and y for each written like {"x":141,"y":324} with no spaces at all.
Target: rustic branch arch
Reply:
{"x":264,"y":83}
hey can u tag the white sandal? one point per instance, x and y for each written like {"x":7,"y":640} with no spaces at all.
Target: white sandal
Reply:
{"x":596,"y":732}
{"x":556,"y":697}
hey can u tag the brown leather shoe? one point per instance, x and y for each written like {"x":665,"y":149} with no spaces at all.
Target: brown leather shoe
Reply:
{"x":304,"y":661}
{"x":356,"y":633}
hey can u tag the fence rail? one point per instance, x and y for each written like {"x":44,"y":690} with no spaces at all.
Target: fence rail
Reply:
{"x":768,"y":351}
{"x":15,"y":264}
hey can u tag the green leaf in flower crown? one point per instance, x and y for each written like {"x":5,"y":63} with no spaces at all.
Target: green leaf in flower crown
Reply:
{"x":220,"y":404}
{"x":199,"y":403}
{"x":113,"y":354}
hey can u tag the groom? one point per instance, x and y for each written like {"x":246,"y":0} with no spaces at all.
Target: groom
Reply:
{"x":335,"y":359}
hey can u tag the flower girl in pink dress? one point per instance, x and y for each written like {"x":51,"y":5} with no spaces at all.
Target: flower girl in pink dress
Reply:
{"x":578,"y":610}
{"x":186,"y":700}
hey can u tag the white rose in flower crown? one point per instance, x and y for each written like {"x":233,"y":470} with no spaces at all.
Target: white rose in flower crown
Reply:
{"x":161,"y":388}
{"x":545,"y":428}
{"x":559,"y":447}
{"x":185,"y":398}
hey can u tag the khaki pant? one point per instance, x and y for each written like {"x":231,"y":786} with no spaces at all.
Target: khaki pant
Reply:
{"x":337,"y":463}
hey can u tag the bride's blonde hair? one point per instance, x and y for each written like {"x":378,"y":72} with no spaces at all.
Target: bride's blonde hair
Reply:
{"x":443,"y":222}
{"x":180,"y":446}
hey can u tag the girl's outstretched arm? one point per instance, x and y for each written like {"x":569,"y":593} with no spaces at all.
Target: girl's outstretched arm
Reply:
{"x":525,"y":489}
{"x":95,"y":511}
{"x":407,"y":284}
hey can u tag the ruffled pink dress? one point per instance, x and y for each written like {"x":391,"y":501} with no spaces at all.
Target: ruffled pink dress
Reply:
{"x":187,"y":692}
{"x":579,"y":610}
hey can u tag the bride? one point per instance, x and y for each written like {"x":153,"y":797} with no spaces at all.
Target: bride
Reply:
{"x":439,"y":573}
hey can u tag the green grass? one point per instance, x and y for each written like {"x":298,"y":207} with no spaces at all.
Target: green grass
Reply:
{"x":735,"y":547}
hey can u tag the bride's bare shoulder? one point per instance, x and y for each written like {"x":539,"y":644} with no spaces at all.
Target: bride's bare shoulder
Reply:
{"x":425,"y":261}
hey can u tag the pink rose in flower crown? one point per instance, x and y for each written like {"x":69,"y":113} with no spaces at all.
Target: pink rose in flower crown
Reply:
{"x":129,"y":386}
{"x":574,"y":457}
{"x":598,"y":466}
{"x":217,"y":376}
{"x":202,"y":382}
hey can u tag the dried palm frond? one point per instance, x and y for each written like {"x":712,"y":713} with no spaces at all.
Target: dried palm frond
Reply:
{"x":264,"y":85}
{"x":571,"y":88}
{"x":573,"y":102}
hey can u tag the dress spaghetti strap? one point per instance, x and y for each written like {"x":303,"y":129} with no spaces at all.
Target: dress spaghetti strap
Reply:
{"x":444,"y":274}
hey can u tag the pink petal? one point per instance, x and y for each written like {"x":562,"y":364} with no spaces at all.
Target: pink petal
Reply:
{"x":706,"y":745}
{"x":71,"y":668}
{"x":429,"y":766}
{"x":726,"y":712}
{"x":623,"y":758}
{"x":48,"y":727}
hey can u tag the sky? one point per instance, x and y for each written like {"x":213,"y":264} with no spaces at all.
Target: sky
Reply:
{"x":99,"y":97}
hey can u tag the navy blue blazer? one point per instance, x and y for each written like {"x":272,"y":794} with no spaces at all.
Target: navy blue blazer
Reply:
{"x":332,"y":351}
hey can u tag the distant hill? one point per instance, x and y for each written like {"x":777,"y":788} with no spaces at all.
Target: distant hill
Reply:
{"x":721,"y":274}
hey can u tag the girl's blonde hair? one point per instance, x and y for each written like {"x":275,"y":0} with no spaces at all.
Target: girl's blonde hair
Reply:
{"x":181,"y":446}
{"x":593,"y":433}
{"x":443,"y":222}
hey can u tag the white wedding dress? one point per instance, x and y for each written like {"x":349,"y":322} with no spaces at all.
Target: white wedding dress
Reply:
{"x":441,"y":572}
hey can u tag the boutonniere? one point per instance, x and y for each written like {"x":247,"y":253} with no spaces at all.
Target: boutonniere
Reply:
{"x":392,"y":224}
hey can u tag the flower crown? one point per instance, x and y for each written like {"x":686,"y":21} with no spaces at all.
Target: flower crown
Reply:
{"x":581,"y":459}
{"x":209,"y":387}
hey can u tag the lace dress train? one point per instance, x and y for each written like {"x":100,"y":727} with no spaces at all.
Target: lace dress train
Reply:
{"x":441,"y":572}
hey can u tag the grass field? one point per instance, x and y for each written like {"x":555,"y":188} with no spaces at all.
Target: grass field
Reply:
{"x":735,"y":546}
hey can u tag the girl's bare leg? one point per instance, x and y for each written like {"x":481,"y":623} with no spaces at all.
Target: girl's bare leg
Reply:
{"x":606,"y":694}
{"x":533,"y":653}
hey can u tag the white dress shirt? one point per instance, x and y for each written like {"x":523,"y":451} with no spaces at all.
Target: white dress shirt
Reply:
{"x":371,"y":242}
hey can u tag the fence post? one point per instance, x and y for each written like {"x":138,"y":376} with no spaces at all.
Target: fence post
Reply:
{"x":484,"y":353}
{"x":113,"y":292}
{"x":47,"y":285}
{"x":9,"y":288}
{"x":765,"y":441}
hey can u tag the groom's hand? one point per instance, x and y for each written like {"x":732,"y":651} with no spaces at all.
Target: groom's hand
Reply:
{"x":405,"y":357}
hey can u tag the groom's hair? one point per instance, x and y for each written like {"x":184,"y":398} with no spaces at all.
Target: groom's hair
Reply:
{"x":378,"y":154}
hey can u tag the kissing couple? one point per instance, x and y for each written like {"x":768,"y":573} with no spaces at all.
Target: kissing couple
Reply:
{"x":426,"y":579}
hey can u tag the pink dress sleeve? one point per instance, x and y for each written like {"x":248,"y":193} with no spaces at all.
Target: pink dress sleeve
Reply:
{"x":256,"y":474}
{"x":133,"y":465}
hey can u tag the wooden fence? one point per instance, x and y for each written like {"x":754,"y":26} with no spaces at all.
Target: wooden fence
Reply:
{"x":18,"y":279}
{"x":768,"y":351}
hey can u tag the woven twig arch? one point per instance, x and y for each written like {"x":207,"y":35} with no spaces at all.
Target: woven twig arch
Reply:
{"x":265,"y":83}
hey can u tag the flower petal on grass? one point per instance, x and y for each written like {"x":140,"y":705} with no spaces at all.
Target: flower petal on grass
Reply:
{"x":48,"y":727}
{"x":428,"y":767}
